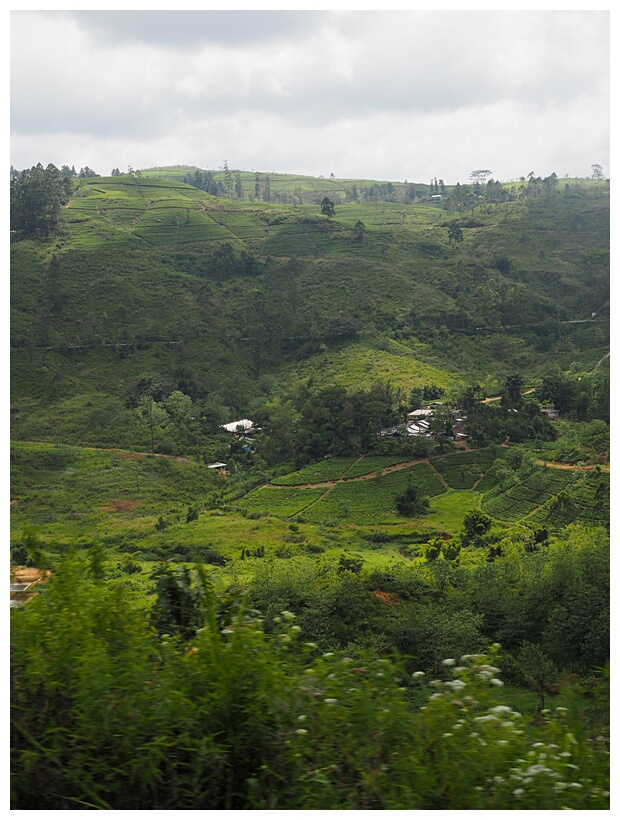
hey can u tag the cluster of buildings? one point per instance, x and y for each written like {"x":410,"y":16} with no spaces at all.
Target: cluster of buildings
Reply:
{"x":418,"y":423}
{"x":242,"y":430}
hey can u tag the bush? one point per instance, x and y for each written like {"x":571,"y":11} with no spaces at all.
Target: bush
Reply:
{"x":411,"y":503}
{"x":219,"y":715}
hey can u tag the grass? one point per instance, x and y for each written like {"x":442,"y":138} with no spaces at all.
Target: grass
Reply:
{"x":359,"y":366}
{"x":447,"y":511}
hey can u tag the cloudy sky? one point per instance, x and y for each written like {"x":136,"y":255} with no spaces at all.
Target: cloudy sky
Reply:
{"x":378,"y":94}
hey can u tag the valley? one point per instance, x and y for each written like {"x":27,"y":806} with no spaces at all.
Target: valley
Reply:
{"x":425,"y":478}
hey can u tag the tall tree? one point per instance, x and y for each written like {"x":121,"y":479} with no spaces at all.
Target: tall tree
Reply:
{"x":327,"y":207}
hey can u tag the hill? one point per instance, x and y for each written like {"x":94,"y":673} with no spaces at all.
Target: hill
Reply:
{"x":149,"y":279}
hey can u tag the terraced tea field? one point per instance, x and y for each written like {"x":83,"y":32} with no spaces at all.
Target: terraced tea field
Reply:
{"x":362,"y":491}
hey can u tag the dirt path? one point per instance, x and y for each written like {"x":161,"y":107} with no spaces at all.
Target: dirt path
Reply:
{"x":557,"y":465}
{"x":391,"y":469}
{"x":600,"y":361}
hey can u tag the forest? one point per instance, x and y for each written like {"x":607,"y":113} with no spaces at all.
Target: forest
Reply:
{"x":390,"y":588}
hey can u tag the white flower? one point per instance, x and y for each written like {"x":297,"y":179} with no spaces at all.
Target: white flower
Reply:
{"x":301,"y":718}
{"x":328,"y":655}
{"x":330,"y":700}
{"x":497,"y":682}
{"x":301,"y":731}
{"x":517,"y":792}
{"x":457,"y":684}
{"x":447,"y":734}
{"x":537,"y":768}
{"x":418,"y":675}
{"x":449,"y":662}
{"x":498,"y":710}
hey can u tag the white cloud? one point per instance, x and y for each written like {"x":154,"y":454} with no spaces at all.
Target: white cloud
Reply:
{"x":387,"y":95}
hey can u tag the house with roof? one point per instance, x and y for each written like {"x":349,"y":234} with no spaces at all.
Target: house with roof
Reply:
{"x":241,"y":427}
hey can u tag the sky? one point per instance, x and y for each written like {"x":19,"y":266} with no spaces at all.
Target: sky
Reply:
{"x":391,"y":95}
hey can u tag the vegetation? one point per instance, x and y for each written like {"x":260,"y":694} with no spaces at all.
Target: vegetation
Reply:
{"x":320,"y":621}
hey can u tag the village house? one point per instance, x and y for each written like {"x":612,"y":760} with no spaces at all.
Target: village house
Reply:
{"x":550,"y":412}
{"x":219,"y":466}
{"x":241,"y":427}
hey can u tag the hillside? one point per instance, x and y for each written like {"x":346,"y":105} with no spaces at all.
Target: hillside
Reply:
{"x":285,"y":633}
{"x":232,"y":301}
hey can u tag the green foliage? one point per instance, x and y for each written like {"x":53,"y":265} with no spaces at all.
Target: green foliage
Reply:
{"x":350,"y":564}
{"x":476,"y":523}
{"x":329,"y":469}
{"x":37,"y":196}
{"x":115,"y":714}
{"x":433,"y":549}
{"x":327,"y":207}
{"x":192,"y":513}
{"x":411,"y":503}
{"x":191,"y":283}
{"x":184,"y":601}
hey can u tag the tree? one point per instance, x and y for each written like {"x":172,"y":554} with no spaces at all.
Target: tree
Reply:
{"x":597,"y":172}
{"x":455,"y":234}
{"x":228,"y":180}
{"x":433,"y":548}
{"x":476,"y":523}
{"x":327,"y":207}
{"x":451,"y":549}
{"x":480,"y":175}
{"x":411,"y":503}
{"x":538,"y":670}
{"x":511,"y":394}
{"x":36,"y":199}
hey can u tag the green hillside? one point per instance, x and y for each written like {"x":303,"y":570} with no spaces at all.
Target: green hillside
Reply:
{"x":310,"y":492}
{"x":234,"y":300}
